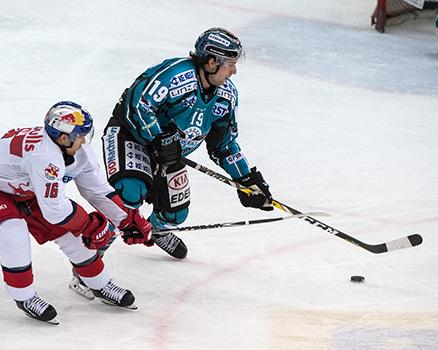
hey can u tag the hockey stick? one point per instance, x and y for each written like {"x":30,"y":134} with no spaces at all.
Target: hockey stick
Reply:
{"x":400,"y":243}
{"x":163,"y":232}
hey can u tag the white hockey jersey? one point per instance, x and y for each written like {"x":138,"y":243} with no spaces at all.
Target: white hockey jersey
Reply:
{"x":31,"y":164}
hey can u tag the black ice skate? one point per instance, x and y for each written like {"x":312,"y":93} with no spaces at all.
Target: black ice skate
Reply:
{"x":38,"y":309}
{"x":171,"y":244}
{"x":79,"y":286}
{"x":112,"y":294}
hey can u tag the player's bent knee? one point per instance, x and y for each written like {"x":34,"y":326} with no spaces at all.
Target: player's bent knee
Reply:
{"x":133,"y":191}
{"x":176,"y":218}
{"x":181,"y":216}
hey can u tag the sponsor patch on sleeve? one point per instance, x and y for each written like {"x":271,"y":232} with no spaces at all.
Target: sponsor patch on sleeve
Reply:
{"x":234,"y":158}
{"x":183,"y":78}
{"x":137,"y":158}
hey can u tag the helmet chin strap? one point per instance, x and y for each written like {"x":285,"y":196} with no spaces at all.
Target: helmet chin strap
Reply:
{"x":65,"y":148}
{"x":207,"y":74}
{"x":68,"y":159}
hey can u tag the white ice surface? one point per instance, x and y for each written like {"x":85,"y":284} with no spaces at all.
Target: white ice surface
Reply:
{"x":338,"y":118}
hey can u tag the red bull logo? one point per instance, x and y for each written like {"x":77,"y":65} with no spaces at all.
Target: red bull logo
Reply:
{"x":75,"y":118}
{"x":51,"y":172}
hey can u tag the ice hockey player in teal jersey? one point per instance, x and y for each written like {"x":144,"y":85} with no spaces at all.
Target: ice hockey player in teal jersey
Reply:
{"x":164,"y":116}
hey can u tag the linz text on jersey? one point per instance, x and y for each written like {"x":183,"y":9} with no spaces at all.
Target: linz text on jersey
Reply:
{"x":183,"y":90}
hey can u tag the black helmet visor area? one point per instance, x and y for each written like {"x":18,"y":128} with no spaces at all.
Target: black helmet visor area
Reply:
{"x":217,"y":51}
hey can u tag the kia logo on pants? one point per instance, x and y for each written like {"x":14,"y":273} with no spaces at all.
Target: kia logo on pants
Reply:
{"x":179,"y":180}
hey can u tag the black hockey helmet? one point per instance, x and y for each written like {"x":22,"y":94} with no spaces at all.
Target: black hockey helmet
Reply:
{"x":218,"y":43}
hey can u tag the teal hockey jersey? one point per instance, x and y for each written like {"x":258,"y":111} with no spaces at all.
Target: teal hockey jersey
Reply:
{"x":172,"y":91}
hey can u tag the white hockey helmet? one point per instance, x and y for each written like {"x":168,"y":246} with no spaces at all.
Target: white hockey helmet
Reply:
{"x":69,"y":118}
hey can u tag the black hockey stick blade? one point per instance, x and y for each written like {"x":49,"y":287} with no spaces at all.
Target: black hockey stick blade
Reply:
{"x":401,"y":243}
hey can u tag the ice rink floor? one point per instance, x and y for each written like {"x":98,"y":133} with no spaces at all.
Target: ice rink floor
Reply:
{"x":338,"y":118}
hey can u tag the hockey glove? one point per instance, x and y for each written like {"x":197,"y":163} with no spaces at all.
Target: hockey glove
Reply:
{"x":254,"y":180}
{"x":136,"y":229}
{"x":96,"y":233}
{"x":166,"y":146}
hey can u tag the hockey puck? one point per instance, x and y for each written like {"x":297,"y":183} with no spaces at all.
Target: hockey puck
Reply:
{"x":357,"y":279}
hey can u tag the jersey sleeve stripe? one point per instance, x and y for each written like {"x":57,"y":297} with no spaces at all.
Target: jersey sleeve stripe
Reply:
{"x":151,"y":81}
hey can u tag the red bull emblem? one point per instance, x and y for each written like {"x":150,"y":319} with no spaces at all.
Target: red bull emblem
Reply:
{"x":51,"y":172}
{"x":75,"y":118}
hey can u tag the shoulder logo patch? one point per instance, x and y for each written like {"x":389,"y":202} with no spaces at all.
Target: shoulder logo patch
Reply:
{"x":51,"y":172}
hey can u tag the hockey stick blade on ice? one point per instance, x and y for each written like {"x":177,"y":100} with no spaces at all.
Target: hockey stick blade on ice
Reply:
{"x":400,"y":243}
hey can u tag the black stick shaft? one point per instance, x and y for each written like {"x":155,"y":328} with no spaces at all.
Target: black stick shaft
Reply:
{"x":221,"y":225}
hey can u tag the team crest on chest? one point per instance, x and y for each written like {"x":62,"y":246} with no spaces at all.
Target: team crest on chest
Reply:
{"x":192,"y":138}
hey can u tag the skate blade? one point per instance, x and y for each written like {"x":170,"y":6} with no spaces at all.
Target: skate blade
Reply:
{"x":81,"y":290}
{"x":53,"y":321}
{"x":129,"y":307}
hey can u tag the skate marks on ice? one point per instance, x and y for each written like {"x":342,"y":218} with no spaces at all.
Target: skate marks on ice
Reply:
{"x":303,"y":330}
{"x":311,"y":48}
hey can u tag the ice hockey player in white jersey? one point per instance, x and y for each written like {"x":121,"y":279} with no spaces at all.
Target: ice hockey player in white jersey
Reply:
{"x":35,"y":165}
